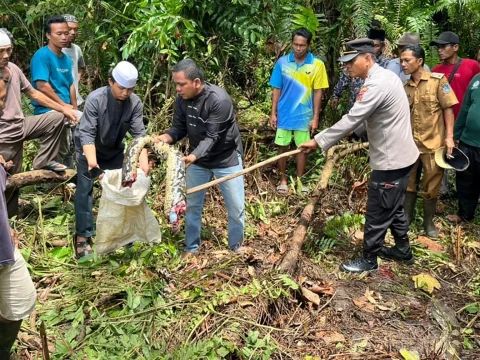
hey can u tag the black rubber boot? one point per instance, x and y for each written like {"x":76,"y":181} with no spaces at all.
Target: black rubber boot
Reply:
{"x":8,"y":332}
{"x":394,"y":253}
{"x":429,"y":207}
{"x":409,"y":206}
{"x":360,"y":265}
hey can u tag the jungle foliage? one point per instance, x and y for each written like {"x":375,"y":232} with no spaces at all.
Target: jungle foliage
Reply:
{"x":236,"y":41}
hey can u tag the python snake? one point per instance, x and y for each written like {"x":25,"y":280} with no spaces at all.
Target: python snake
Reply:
{"x":174,"y":202}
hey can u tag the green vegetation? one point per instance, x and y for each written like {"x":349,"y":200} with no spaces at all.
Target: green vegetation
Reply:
{"x":142,"y":302}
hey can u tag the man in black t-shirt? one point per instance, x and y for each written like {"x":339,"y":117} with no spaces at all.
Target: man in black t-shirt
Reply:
{"x":204,"y":113}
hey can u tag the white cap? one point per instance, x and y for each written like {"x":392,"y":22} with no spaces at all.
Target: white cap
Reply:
{"x":4,"y":39}
{"x":125,"y":74}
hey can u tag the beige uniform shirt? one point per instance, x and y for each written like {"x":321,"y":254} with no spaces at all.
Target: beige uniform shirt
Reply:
{"x":383,"y":105}
{"x":428,"y":99}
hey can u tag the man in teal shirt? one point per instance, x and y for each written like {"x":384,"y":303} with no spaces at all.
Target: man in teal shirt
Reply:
{"x":466,"y":132}
{"x":52,"y":75}
{"x":297,"y":80}
{"x":51,"y":69}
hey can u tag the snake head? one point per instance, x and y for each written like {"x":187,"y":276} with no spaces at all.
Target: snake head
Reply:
{"x":129,"y":180}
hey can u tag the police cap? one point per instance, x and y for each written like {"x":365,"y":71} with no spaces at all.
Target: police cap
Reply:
{"x":353,"y":48}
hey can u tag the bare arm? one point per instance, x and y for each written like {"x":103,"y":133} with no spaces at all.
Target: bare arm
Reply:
{"x":81,"y":70}
{"x":46,"y":89}
{"x":47,"y":102}
{"x":449,"y":123}
{"x":317,"y":101}
{"x":73,"y":96}
{"x":91,"y":155}
{"x":275,"y":97}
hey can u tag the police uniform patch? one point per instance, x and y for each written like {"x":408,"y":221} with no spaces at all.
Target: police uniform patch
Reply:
{"x":362,"y":91}
{"x":446,"y":88}
{"x":475,"y":85}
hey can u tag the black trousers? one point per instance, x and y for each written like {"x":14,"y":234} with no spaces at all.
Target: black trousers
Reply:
{"x":468,"y":189}
{"x":386,"y":194}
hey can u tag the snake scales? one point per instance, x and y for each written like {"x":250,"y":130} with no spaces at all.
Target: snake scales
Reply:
{"x":174,"y":203}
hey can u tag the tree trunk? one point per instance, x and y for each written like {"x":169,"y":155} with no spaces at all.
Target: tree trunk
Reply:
{"x":37,"y":177}
{"x":289,"y":260}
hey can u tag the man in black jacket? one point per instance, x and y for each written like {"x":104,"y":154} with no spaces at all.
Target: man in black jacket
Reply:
{"x":204,"y":113}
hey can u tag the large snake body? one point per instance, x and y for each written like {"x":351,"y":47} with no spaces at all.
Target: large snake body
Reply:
{"x":174,"y":202}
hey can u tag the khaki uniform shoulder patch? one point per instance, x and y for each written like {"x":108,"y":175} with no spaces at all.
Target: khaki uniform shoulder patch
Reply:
{"x":437,"y":75}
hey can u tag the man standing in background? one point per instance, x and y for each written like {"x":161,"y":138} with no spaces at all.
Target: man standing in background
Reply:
{"x":394,"y":64}
{"x":15,"y":128}
{"x":458,"y":72}
{"x":354,"y":85}
{"x":75,"y":53}
{"x":297,"y":80}
{"x":52,"y":75}
{"x":78,"y":67}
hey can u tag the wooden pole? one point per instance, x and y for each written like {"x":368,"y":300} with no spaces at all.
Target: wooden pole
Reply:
{"x":288,"y":262}
{"x":244,"y":171}
{"x":459,"y":245}
{"x":33,"y":177}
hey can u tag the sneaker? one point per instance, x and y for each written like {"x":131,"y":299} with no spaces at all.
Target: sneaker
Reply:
{"x":392,"y":253}
{"x":359,"y":265}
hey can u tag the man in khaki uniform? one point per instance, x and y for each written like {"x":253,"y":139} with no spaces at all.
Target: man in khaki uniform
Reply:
{"x":431,"y":102}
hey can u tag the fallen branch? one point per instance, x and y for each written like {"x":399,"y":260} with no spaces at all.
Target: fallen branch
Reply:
{"x":289,"y":260}
{"x":37,"y":177}
{"x":242,"y":172}
{"x":459,"y":245}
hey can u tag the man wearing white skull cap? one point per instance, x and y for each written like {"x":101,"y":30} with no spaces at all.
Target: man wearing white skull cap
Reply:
{"x":109,"y":113}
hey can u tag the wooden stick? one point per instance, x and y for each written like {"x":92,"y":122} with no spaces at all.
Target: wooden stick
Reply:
{"x":459,"y":245}
{"x":289,"y":260}
{"x":38,"y":177}
{"x":43,"y":336}
{"x":244,"y":171}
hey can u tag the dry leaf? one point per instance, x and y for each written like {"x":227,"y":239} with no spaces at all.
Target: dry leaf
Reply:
{"x":409,"y":355}
{"x":302,"y":279}
{"x":273,"y":258}
{"x":358,"y":184}
{"x":358,"y":235}
{"x":431,"y":245}
{"x":311,"y":296}
{"x":245,"y":303}
{"x":364,"y":304}
{"x":385,"y":308}
{"x":474,"y":244}
{"x":251,"y":271}
{"x":220,"y":253}
{"x":317,"y":289}
{"x":426,"y":282}
{"x":330,"y":337}
{"x":369,"y":296}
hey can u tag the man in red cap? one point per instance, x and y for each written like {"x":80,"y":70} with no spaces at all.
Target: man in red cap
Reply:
{"x":458,"y":72}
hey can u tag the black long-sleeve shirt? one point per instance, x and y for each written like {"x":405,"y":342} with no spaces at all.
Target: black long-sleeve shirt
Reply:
{"x":105,"y":122}
{"x":208,"y":121}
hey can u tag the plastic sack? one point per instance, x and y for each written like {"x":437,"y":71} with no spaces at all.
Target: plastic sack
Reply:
{"x":123,"y":215}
